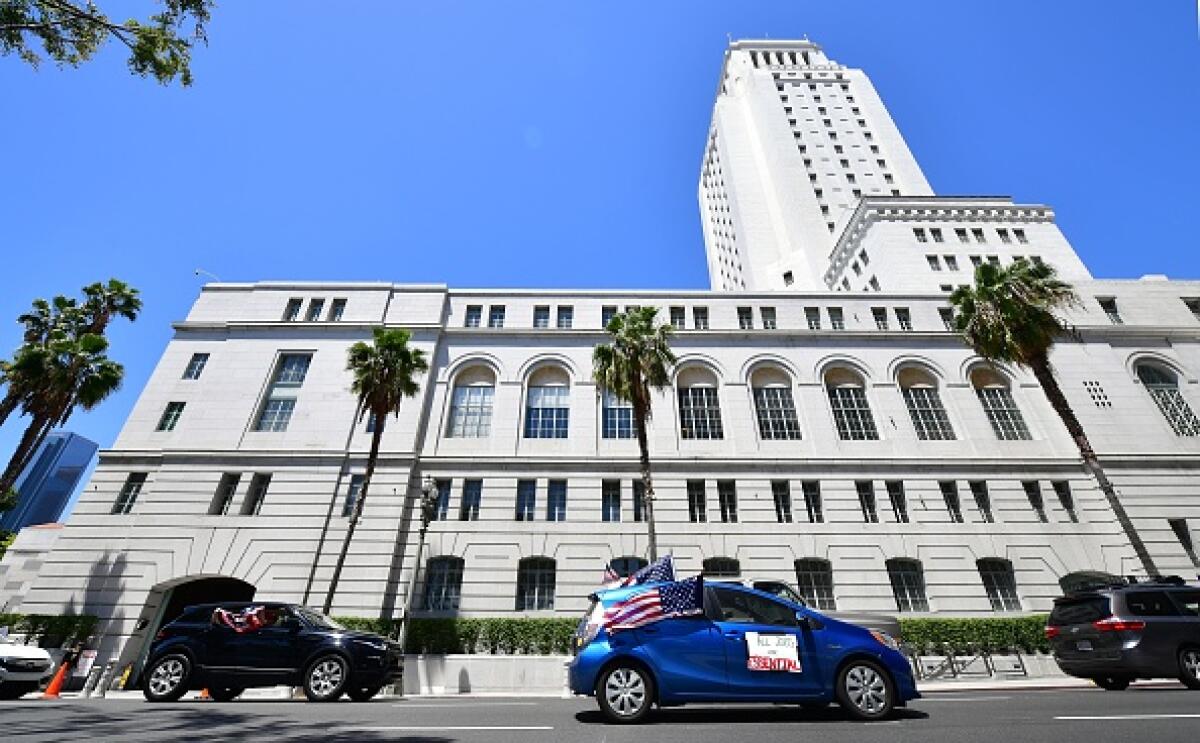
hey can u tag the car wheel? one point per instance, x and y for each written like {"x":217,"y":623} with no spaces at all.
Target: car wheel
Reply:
{"x":363,"y":693}
{"x":1112,"y":683}
{"x":166,"y":680}
{"x":16,"y":689}
{"x":865,"y":690}
{"x":326,"y":678}
{"x":225,"y":694}
{"x":625,"y":694}
{"x":1189,"y":667}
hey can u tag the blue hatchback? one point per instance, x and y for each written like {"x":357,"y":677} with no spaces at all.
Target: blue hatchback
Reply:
{"x":747,"y":646}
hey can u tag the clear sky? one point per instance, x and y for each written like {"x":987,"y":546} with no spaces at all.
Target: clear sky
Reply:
{"x":553,"y":144}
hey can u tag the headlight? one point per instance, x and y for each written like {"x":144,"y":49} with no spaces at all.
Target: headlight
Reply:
{"x":885,"y":639}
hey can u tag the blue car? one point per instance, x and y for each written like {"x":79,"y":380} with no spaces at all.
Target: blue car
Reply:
{"x":746,"y":646}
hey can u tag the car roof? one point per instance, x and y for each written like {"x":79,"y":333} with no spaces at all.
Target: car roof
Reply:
{"x":613,"y":595}
{"x":234,"y":604}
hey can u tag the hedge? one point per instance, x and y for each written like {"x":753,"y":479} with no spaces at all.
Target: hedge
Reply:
{"x":48,"y":630}
{"x":993,"y":634}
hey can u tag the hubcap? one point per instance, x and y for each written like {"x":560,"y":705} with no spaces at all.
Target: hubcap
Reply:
{"x":625,"y":691}
{"x":1191,"y":662}
{"x":166,"y":677}
{"x":325,"y":677}
{"x":866,"y":689}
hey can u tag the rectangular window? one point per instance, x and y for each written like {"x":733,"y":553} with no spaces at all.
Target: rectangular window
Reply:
{"x":727,"y":496}
{"x":697,"y":512}
{"x":782,"y":495}
{"x":837,"y":320}
{"x":616,"y":417}
{"x":353,"y":492}
{"x":1109,"y":305}
{"x":170,"y":416}
{"x":919,"y":233}
{"x":442,"y":512}
{"x":471,"y":411}
{"x":472,"y":495}
{"x":895,"y":491}
{"x":1003,"y":235}
{"x":908,"y":585}
{"x":700,"y":413}
{"x":607,"y":313}
{"x":195,"y":366}
{"x":814,"y":582}
{"x":1020,"y":235}
{"x":292,"y":369}
{"x":291,"y":313}
{"x":639,"y":501}
{"x":928,"y":414}
{"x":983,"y":501}
{"x":976,"y":260}
{"x":276,"y":414}
{"x":336,"y":310}
{"x":541,"y":317}
{"x":776,"y":412}
{"x":566,"y":317}
{"x":610,"y":500}
{"x":1034,"y":492}
{"x":904,"y":318}
{"x":223,"y":498}
{"x":768,"y":317}
{"x":1003,"y":413}
{"x":473,"y":317}
{"x":556,"y":500}
{"x":934,"y":263}
{"x":947,"y":315}
{"x":526,"y":500}
{"x":1063,"y":490}
{"x":1000,"y":584}
{"x":678,"y":318}
{"x":1193,"y":305}
{"x":852,"y":414}
{"x":547,"y":412}
{"x":961,"y":234}
{"x":700,"y":318}
{"x":129,"y":493}
{"x":953,"y":504}
{"x":812,"y":316}
{"x":280,"y":403}
{"x":315,"y":307}
{"x":496,"y":316}
{"x":977,"y":233}
{"x":881,"y":318}
{"x":866,"y":501}
{"x":812,"y":501}
{"x":745,"y":318}
{"x":257,"y":494}
{"x":935,"y":232}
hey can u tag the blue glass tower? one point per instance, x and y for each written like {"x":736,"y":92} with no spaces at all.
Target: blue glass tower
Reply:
{"x":44,"y":489}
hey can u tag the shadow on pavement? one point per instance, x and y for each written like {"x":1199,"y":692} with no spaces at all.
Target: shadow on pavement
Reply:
{"x":765,"y":715}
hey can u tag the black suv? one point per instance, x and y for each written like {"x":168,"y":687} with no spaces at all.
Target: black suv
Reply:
{"x":1114,"y":634}
{"x":226,"y":648}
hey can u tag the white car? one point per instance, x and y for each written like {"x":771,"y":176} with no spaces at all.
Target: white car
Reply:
{"x":22,"y":668}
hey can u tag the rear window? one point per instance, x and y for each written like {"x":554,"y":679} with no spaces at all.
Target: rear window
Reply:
{"x":588,"y":618}
{"x":1080,"y":611}
{"x":1188,"y":602}
{"x":1149,"y":604}
{"x":196,"y":616}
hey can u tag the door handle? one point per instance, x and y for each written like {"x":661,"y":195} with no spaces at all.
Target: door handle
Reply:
{"x":733,"y":634}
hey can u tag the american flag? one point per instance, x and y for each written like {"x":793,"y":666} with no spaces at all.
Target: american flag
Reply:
{"x":662,"y":569}
{"x":675,"y":599}
{"x":611,"y":578}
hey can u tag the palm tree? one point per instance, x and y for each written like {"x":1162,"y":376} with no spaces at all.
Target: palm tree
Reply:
{"x":103,"y":302}
{"x":638,"y":360}
{"x":383,"y":377}
{"x":1009,"y":316}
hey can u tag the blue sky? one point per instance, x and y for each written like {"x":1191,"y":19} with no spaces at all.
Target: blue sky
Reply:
{"x":553,"y":144}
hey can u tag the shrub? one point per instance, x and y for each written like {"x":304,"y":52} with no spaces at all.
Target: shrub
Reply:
{"x":993,"y":634}
{"x":49,"y":630}
{"x":488,"y":635}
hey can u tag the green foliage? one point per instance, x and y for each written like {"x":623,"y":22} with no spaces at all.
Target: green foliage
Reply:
{"x":8,"y":501}
{"x":6,"y":538}
{"x":49,"y":630}
{"x":71,"y":32}
{"x":994,"y":634}
{"x":484,"y":635}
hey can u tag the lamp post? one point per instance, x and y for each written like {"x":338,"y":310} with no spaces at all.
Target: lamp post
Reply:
{"x":429,"y":503}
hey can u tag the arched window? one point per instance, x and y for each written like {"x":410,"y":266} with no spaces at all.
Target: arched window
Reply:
{"x":1163,"y":387}
{"x":814,"y":581}
{"x":920,"y":392}
{"x":699,"y":404}
{"x":1000,"y":583}
{"x":616,"y":417}
{"x":443,"y":583}
{"x":848,"y":399}
{"x":908,"y":584}
{"x":471,"y":403}
{"x":722,"y":567}
{"x":535,"y":584}
{"x":626,"y":566}
{"x":994,"y":394}
{"x":548,"y":404}
{"x":774,"y":405}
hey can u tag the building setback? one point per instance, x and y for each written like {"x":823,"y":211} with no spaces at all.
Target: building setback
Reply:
{"x":824,"y":426}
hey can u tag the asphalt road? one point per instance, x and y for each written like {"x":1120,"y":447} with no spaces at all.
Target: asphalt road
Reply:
{"x":1061,"y":716}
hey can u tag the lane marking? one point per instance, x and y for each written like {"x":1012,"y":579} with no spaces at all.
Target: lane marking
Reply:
{"x":1129,"y":717}
{"x":458,"y":702}
{"x":445,"y":728}
{"x":958,"y":699}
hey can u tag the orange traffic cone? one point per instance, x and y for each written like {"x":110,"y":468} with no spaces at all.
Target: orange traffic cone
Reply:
{"x":204,"y":694}
{"x":56,"y":683}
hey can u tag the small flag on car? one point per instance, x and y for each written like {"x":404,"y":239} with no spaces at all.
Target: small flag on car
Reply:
{"x":674,"y":599}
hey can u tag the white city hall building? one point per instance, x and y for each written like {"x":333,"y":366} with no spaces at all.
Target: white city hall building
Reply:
{"x":823,"y":426}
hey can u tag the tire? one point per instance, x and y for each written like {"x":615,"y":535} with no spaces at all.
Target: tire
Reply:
{"x":225,"y":694}
{"x":167,"y":679}
{"x":1112,"y":683}
{"x":1189,"y":667}
{"x":326,"y":678}
{"x":363,"y":693}
{"x":865,"y":690}
{"x":625,"y":694}
{"x":16,"y":689}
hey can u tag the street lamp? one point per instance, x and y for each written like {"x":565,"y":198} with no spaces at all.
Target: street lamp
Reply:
{"x":429,"y":504}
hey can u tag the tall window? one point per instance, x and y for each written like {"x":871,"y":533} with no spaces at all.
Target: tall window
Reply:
{"x":541,"y":317}
{"x":315,"y":307}
{"x":881,"y":318}
{"x":639,"y":501}
{"x":353,"y":492}
{"x":773,"y":404}
{"x":443,"y":583}
{"x":812,"y":501}
{"x":699,"y":405}
{"x":170,"y":416}
{"x":953,"y":504}
{"x":292,"y":311}
{"x":443,"y":501}
{"x":727,"y":496}
{"x":535,"y":584}
{"x":814,"y":582}
{"x":548,"y":404}
{"x":848,"y":399}
{"x":607,"y":313}
{"x":745,"y":318}
{"x":908,"y":585}
{"x":895,"y":491}
{"x":866,"y":501}
{"x":257,"y":494}
{"x":697,"y":508}
{"x":678,"y":318}
{"x":616,"y":417}
{"x":1000,"y":584}
{"x":1033,"y":491}
{"x":904,"y":318}
{"x":610,"y":500}
{"x":556,"y":500}
{"x":1109,"y":305}
{"x":226,"y":489}
{"x":920,"y":392}
{"x":129,"y":493}
{"x":195,"y":366}
{"x":700,"y":318}
{"x":998,"y":404}
{"x":722,"y":567}
{"x":768,"y":318}
{"x":473,"y":317}
{"x":983,"y":501}
{"x":336,"y":310}
{"x":1163,"y":387}
{"x":280,"y":401}
{"x":472,"y":495}
{"x":812,"y":316}
{"x":496,"y":316}
{"x":1063,"y":490}
{"x":566,"y":316}
{"x":782,"y":495}
{"x":837,"y":319}
{"x":526,"y":499}
{"x":626,"y":566}
{"x":471,"y":403}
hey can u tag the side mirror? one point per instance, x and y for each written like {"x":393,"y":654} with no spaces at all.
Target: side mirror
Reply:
{"x":804,"y":620}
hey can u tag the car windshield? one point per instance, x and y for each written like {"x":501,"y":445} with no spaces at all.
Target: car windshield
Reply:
{"x":317,"y":619}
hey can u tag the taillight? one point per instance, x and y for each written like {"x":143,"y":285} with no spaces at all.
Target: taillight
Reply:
{"x":1052,"y":632}
{"x":1112,"y":624}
